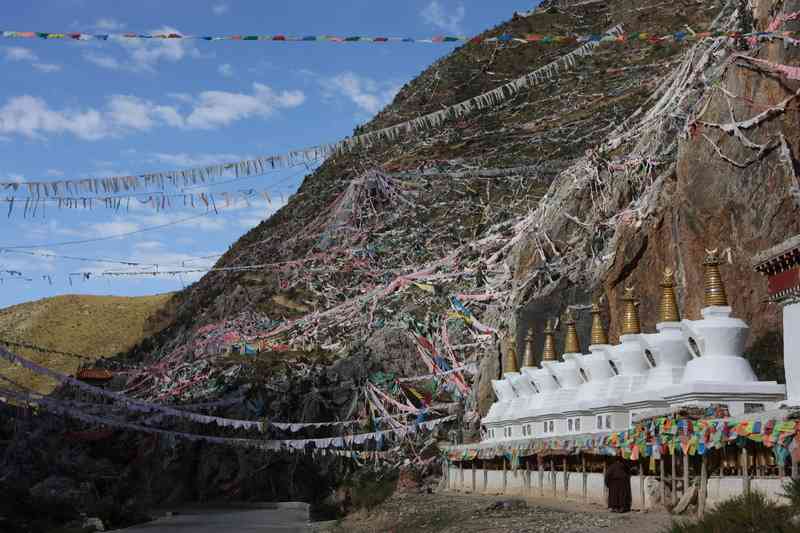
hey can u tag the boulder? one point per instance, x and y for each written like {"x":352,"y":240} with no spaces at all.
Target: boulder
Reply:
{"x":63,"y":492}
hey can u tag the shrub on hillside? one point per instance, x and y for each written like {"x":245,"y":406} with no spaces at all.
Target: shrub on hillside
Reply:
{"x":747,"y":513}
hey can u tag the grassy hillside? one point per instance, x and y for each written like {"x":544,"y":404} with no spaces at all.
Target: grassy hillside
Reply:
{"x":93,"y":325}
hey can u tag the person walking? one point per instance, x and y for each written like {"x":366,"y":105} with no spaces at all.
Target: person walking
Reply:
{"x":618,"y":481}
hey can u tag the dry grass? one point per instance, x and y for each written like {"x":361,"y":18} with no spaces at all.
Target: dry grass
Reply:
{"x":100,"y":326}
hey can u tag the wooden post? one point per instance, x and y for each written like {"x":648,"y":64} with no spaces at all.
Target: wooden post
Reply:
{"x":662,"y":482}
{"x":505,"y":476}
{"x":524,"y":476}
{"x":685,"y":474}
{"x":473,"y":477}
{"x":674,"y":479}
{"x":641,"y":482}
{"x":745,"y":472}
{"x":485,"y":477}
{"x":566,"y":477}
{"x":447,"y":472}
{"x":461,"y":474}
{"x":701,"y":495}
{"x":585,"y":478}
{"x":605,"y":489}
{"x":541,"y":475}
{"x":553,"y":475}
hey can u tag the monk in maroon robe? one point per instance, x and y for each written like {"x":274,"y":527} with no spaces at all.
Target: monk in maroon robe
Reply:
{"x":618,"y":481}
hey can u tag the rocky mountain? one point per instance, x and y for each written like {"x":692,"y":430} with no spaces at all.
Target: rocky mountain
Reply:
{"x":593,"y":174}
{"x":598,"y":176}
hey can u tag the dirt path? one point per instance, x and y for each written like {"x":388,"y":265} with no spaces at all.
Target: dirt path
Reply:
{"x":459,"y":513}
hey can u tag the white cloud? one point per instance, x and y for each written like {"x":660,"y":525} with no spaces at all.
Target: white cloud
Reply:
{"x":148,"y":245}
{"x":436,"y":15}
{"x":366,"y":93}
{"x":220,"y":9}
{"x":29,"y":264}
{"x":16,"y":178}
{"x":108,"y":24}
{"x":107,"y":229}
{"x":219,"y":108}
{"x":19,"y":53}
{"x":207,"y":223}
{"x":32,"y":117}
{"x":47,"y":67}
{"x":184,"y":160}
{"x":102,"y":60}
{"x":225,"y":70}
{"x":144,"y":55}
{"x":54,"y":172}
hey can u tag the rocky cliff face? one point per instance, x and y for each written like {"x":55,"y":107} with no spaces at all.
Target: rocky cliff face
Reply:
{"x":716,"y":186}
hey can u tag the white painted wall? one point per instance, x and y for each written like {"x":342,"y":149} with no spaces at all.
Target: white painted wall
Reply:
{"x":791,"y":350}
{"x":719,"y":489}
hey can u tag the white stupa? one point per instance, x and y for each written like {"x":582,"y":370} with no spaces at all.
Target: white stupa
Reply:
{"x":717,"y":372}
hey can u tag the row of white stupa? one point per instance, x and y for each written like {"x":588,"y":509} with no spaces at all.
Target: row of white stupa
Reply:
{"x":697,"y":362}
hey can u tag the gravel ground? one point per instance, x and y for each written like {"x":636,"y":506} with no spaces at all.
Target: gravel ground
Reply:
{"x":458,"y":513}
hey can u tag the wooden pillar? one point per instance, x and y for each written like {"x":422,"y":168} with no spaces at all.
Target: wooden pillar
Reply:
{"x":447,"y":473}
{"x":605,"y":489}
{"x":474,"y":486}
{"x":541,"y":475}
{"x":685,"y":473}
{"x":641,"y":482}
{"x":525,"y":476}
{"x":566,"y":477}
{"x":745,"y":472}
{"x":553,"y":475}
{"x":662,"y":483}
{"x":585,"y":479}
{"x":674,"y":478}
{"x":703,"y":492}
{"x":485,"y":476}
{"x":505,"y":476}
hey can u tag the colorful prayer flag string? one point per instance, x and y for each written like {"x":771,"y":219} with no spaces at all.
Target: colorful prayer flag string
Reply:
{"x":535,"y":38}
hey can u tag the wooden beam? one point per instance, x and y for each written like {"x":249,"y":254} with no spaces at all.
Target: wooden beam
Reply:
{"x":474,"y":483}
{"x":745,"y":472}
{"x":685,"y":474}
{"x":674,"y":479}
{"x":701,"y":495}
{"x":541,"y":475}
{"x":585,"y":478}
{"x":641,"y":482}
{"x":505,"y":476}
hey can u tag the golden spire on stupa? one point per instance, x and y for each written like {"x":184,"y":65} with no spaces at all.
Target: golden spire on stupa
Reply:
{"x":549,"y":352}
{"x":714,"y":293}
{"x":529,"y":359}
{"x":599,"y":335}
{"x":571,"y":343}
{"x":630,"y":314}
{"x":668,"y":306}
{"x":510,"y":364}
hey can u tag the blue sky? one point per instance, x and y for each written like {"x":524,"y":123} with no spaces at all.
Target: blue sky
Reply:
{"x":80,"y":109}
